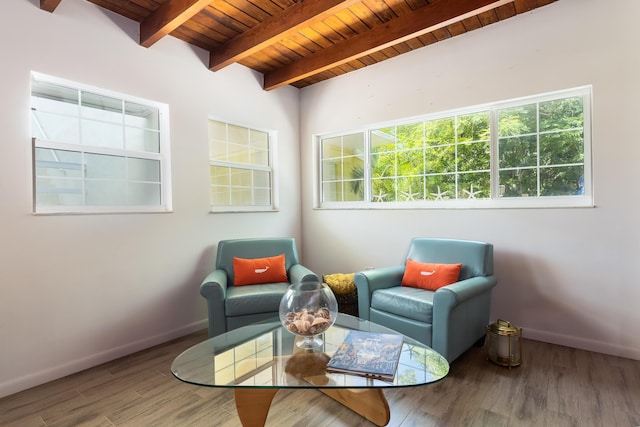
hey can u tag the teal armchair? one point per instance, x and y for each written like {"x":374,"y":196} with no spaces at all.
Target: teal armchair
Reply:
{"x":230,"y":307}
{"x":450,"y":319}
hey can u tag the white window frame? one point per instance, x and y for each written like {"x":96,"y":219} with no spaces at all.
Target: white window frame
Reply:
{"x":584,"y":200}
{"x":163,"y":156}
{"x":272,"y":169}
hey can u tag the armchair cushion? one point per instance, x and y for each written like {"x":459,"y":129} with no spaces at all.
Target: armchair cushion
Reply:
{"x":412,"y":303}
{"x":252,"y":299}
{"x":259,"y":270}
{"x":430,"y":276}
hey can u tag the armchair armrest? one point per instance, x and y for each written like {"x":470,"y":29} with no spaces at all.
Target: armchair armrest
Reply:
{"x":214,"y":285}
{"x":299,"y":273}
{"x":460,"y":314}
{"x":370,"y":280}
{"x":455,"y":294}
{"x":214,"y":289}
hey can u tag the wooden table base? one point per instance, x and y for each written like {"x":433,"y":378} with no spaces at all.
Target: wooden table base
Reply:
{"x":253,"y":404}
{"x":368,"y":402}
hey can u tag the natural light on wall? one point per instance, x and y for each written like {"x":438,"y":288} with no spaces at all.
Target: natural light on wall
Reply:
{"x":528,"y":152}
{"x":96,"y":151}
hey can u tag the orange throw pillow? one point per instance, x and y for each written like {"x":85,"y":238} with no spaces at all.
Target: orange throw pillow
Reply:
{"x":430,"y":276}
{"x":259,"y":270}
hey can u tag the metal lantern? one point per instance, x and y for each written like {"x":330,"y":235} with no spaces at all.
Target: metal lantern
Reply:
{"x":503,"y":344}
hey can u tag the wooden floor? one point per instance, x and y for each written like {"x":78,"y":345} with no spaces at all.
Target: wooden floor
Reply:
{"x":555,"y":386}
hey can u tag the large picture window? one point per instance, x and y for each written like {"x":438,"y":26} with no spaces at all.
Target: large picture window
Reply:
{"x":97,"y":151}
{"x":525,"y":152}
{"x":241,"y":168}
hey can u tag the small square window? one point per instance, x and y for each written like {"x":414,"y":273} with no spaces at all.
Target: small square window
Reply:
{"x":241,"y":170}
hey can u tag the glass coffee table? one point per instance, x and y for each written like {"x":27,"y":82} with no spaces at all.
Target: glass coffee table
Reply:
{"x":260,"y":359}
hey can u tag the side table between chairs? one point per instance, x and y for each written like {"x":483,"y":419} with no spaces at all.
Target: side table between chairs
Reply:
{"x":344,"y":288}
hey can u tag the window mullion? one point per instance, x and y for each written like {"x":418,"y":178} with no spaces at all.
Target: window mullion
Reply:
{"x":494,"y":153}
{"x":539,"y":170}
{"x":366,"y":173}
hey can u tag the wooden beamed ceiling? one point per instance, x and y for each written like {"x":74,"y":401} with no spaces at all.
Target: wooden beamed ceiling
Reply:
{"x":302,"y":42}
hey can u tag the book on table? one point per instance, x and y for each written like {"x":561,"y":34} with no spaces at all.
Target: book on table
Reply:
{"x":369,"y":354}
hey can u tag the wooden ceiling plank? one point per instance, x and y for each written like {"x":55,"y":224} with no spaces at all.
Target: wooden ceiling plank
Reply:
{"x":284,"y":4}
{"x":225,"y":15}
{"x":540,"y":3}
{"x":250,"y":9}
{"x":487,"y":18}
{"x":415,"y":43}
{"x":273,"y":29}
{"x":49,"y":5}
{"x":421,"y":21}
{"x":295,"y":45}
{"x":365,"y":14}
{"x":399,"y":8}
{"x":403,"y":47}
{"x":282,"y":53}
{"x":210,"y":27}
{"x":312,"y":44}
{"x":135,"y":11}
{"x":380,"y":9}
{"x":367,"y":60}
{"x":194,"y":34}
{"x":327,"y":32}
{"x":379,"y":56}
{"x":352,"y":21}
{"x":348,"y":19}
{"x":523,"y":6}
{"x":390,"y":52}
{"x":441,"y":33}
{"x":305,"y":42}
{"x":167,"y":18}
{"x":472,"y":23}
{"x":315,"y":37}
{"x":456,"y":29}
{"x":340,"y":27}
{"x":417,"y":4}
{"x":506,"y":11}
{"x":428,"y":39}
{"x":232,"y":17}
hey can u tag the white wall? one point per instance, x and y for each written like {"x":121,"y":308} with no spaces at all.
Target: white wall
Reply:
{"x":78,"y":290}
{"x":566,"y":276}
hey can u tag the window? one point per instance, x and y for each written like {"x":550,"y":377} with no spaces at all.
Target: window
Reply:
{"x":525,"y":152}
{"x":241,"y":168}
{"x":97,"y":151}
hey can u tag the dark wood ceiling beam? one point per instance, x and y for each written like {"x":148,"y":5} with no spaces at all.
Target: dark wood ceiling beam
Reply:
{"x":298,"y":16}
{"x":49,"y":5}
{"x":419,"y":22}
{"x":168,"y":17}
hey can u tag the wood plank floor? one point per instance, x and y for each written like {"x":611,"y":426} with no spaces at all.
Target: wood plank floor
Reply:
{"x":555,"y":386}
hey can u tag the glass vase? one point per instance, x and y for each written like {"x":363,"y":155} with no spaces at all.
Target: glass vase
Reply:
{"x":307,"y":309}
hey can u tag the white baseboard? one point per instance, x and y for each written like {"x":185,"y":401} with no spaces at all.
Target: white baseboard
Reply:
{"x":582,"y":343}
{"x":37,"y":378}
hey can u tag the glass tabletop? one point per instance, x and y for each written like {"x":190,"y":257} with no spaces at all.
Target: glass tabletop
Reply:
{"x":265,"y":355}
